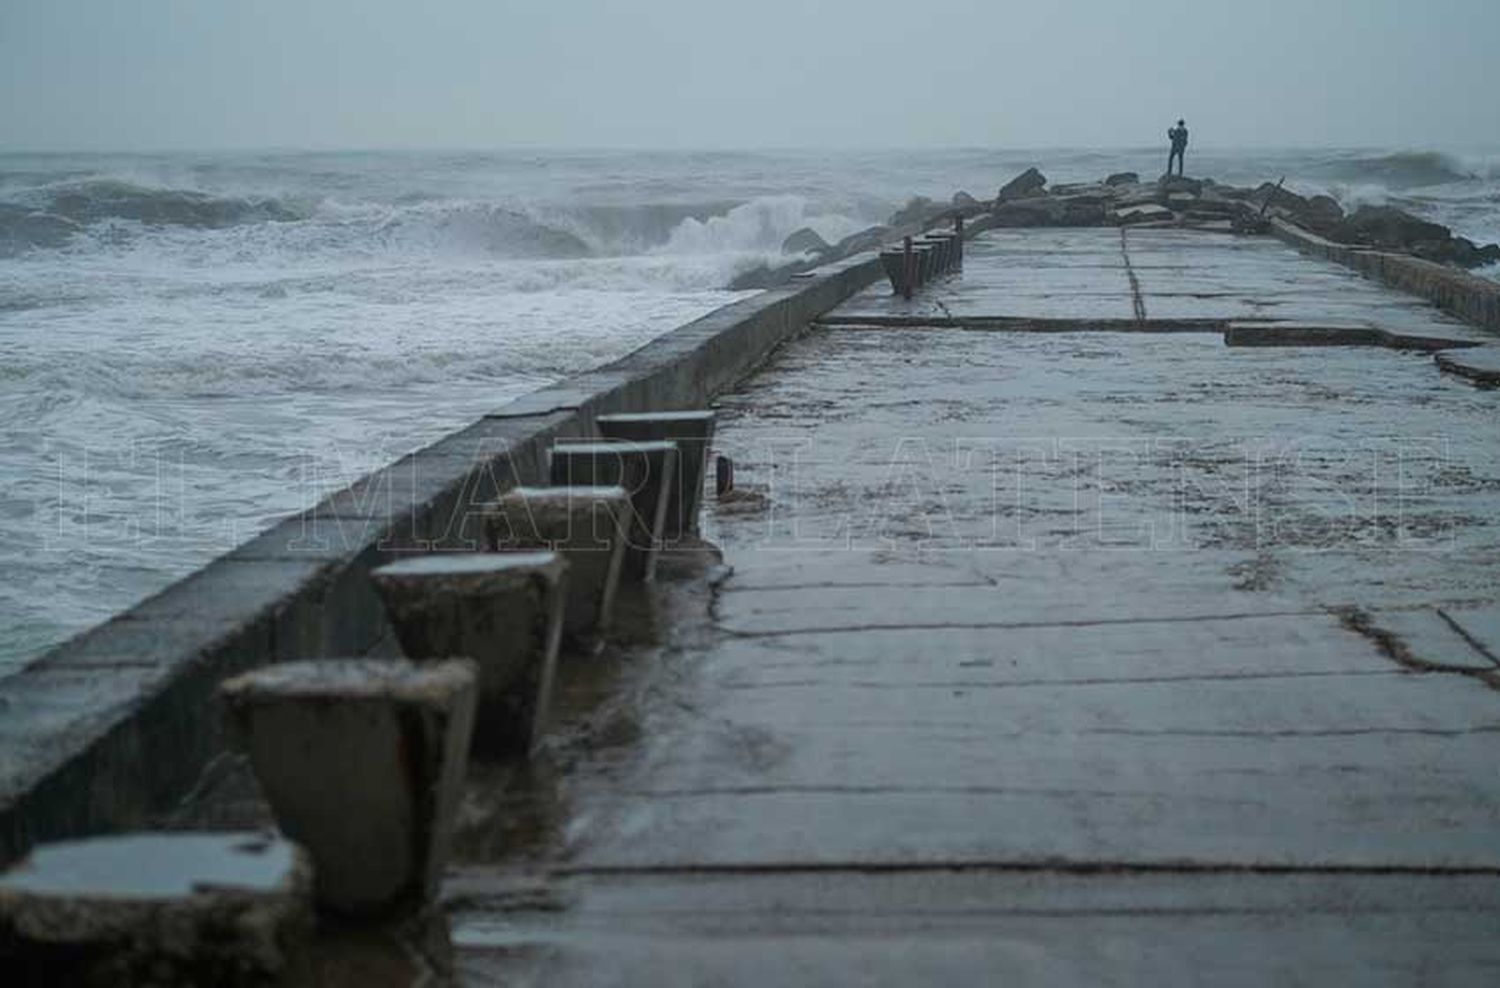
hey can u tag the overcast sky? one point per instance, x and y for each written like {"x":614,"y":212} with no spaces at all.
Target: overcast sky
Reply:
{"x":202,"y":74}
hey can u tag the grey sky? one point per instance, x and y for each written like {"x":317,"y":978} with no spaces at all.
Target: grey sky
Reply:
{"x":159,"y":74}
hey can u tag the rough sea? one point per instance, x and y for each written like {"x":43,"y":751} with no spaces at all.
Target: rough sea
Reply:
{"x":193,"y":346}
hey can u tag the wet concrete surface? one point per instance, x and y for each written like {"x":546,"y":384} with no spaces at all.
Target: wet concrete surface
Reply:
{"x":1102,"y":274}
{"x":1070,"y":657}
{"x":1082,"y":657}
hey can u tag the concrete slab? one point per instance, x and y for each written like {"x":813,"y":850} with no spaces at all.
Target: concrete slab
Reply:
{"x":1480,"y":626}
{"x":1426,"y":638}
{"x":954,"y":927}
{"x":1481,"y":365}
{"x":1179,"y":274}
{"x":1060,"y":623}
{"x":163,"y":909}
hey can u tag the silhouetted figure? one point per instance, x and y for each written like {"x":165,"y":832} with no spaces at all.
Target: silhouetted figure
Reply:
{"x":1178,"y":136}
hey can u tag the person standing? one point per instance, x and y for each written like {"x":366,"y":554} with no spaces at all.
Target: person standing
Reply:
{"x":1178,"y":136}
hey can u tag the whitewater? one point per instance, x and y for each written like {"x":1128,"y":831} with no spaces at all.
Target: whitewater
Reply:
{"x":196,"y":345}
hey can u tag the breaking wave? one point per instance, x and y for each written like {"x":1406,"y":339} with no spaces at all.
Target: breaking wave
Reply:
{"x":114,"y":214}
{"x":1406,"y":170}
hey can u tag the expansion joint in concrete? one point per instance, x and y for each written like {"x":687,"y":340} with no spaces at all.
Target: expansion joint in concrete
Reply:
{"x":982,"y":625}
{"x":1066,"y":866}
{"x":1396,"y":648}
{"x":1136,"y":301}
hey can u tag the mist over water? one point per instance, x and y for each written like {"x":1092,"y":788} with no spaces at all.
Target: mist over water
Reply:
{"x":195,"y":346}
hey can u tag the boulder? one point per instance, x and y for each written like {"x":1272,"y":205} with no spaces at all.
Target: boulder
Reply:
{"x":1321,"y":214}
{"x":1146,"y":213}
{"x":804,"y":241}
{"x":1026,"y":185}
{"x":1274,"y":197}
{"x":1467,"y":254}
{"x":1232,"y":192}
{"x":963,"y":200}
{"x":1123,"y":178}
{"x":1092,"y":194}
{"x":1214,"y":203}
{"x":918,"y":209}
{"x":1029,"y":212}
{"x":866,"y":239}
{"x":1177,"y":183}
{"x":1081,"y":210}
{"x":1387,"y":226}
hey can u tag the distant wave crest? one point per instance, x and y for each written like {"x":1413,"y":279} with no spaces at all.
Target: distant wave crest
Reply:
{"x":1405,"y":170}
{"x":113,"y":213}
{"x":50,"y":216}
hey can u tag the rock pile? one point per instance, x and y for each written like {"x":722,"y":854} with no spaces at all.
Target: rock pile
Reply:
{"x":1123,"y":199}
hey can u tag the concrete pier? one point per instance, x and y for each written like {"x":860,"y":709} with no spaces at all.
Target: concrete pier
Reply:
{"x":362,"y":762}
{"x":646,"y":470}
{"x":503,"y":611}
{"x":1064,"y":644}
{"x":1121,"y":610}
{"x":160,"y":909}
{"x":692,"y":432}
{"x":588,"y":527}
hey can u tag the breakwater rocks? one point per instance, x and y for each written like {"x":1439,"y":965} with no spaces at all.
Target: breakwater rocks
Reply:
{"x":1123,"y":199}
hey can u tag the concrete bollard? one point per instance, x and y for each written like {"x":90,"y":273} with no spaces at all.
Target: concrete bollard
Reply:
{"x":940,"y":251}
{"x":958,"y":236}
{"x":163,"y":909}
{"x":893,"y":261}
{"x":692,"y":431}
{"x":926,"y":262}
{"x":504,"y":611}
{"x":587,"y":526}
{"x":646,"y":471}
{"x":363,"y":762}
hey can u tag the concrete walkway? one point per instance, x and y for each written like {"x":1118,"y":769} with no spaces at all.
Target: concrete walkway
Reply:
{"x":1053,"y":658}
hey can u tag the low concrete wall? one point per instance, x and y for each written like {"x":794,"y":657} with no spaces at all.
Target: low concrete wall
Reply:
{"x":119,"y":723}
{"x":1469,"y":297}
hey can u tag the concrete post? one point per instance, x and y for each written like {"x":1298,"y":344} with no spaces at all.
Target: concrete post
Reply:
{"x":586,"y":525}
{"x":893,"y":261}
{"x":908,"y":269}
{"x":504,"y":611}
{"x":692,"y":431}
{"x":958,"y":229}
{"x":646,"y":471}
{"x":363,"y":762}
{"x":163,"y":909}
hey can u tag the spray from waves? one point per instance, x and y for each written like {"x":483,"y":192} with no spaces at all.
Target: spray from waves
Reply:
{"x":757,"y":227}
{"x":695,"y":244}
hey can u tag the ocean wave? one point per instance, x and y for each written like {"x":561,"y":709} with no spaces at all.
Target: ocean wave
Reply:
{"x":52,"y":215}
{"x":1403,"y":170}
{"x":480,"y":227}
{"x":105,"y":199}
{"x":684,"y":244}
{"x":757,"y":227}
